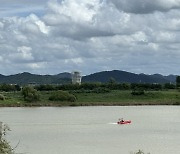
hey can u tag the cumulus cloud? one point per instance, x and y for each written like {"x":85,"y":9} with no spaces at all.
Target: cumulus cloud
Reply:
{"x":76,"y":19}
{"x":138,"y":36}
{"x":145,"y":6}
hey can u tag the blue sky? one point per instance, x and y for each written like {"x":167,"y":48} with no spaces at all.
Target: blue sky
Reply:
{"x":50,"y":37}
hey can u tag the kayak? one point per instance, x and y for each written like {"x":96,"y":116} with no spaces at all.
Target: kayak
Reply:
{"x":124,"y":122}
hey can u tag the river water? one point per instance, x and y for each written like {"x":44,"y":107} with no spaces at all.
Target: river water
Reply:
{"x":93,"y":130}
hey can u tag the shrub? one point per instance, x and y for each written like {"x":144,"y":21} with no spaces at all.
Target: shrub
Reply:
{"x":2,"y":97}
{"x":138,"y":92}
{"x":5,"y":147}
{"x":62,"y":96}
{"x":101,"y":90}
{"x":30,"y":94}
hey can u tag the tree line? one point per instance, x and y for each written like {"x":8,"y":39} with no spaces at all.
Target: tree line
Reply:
{"x":9,"y":87}
{"x":112,"y":85}
{"x":66,"y":92}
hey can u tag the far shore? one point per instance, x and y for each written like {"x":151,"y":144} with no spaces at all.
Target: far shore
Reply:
{"x":113,"y":98}
{"x":35,"y":104}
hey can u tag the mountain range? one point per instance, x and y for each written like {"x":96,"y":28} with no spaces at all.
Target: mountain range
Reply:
{"x":127,"y":77}
{"x":104,"y":76}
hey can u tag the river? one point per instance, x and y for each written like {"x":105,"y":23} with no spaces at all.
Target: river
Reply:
{"x":93,"y":130}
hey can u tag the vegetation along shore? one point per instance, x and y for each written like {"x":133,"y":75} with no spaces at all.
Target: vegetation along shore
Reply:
{"x":89,"y":94}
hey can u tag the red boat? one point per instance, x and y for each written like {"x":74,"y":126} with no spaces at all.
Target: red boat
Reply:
{"x":124,"y":122}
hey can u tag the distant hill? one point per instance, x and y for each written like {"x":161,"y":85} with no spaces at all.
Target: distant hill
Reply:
{"x":63,"y":75}
{"x":171,"y":78}
{"x":104,"y":76}
{"x":127,"y":77}
{"x":1,"y":76}
{"x":28,"y":78}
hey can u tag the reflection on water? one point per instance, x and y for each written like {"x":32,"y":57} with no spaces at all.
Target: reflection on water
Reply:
{"x":93,"y":130}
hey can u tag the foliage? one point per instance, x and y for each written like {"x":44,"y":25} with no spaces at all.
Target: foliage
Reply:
{"x":114,"y":97}
{"x":45,"y":87}
{"x":146,"y":86}
{"x":9,"y":87}
{"x":101,"y":90}
{"x":90,"y":86}
{"x":178,"y":82}
{"x":2,"y":97}
{"x":112,"y":81}
{"x":138,"y":91}
{"x":62,"y":96}
{"x":169,"y":86}
{"x":5,"y":147}
{"x":68,"y":87}
{"x":112,"y":85}
{"x":30,"y":94}
{"x":96,"y":90}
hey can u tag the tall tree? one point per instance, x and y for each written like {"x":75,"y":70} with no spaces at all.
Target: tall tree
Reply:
{"x":178,"y":82}
{"x":30,"y":94}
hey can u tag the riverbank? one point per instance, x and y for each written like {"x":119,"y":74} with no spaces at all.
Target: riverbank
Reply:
{"x":113,"y":98}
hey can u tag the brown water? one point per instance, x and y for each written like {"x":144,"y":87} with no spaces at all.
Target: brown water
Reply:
{"x":93,"y":130}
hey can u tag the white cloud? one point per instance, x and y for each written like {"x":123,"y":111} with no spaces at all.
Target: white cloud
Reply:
{"x":77,"y":11}
{"x":1,"y":59}
{"x":32,"y":24}
{"x":145,"y":6}
{"x":1,"y":25}
{"x":34,"y":65}
{"x":42,"y":27}
{"x":92,"y":36}
{"x":25,"y":53}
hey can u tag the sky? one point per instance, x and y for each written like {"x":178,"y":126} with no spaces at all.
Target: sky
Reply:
{"x":55,"y":36}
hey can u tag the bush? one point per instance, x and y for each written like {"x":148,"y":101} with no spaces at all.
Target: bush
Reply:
{"x":62,"y":96}
{"x":101,"y":90}
{"x":2,"y":97}
{"x":96,"y":90}
{"x":138,"y":92}
{"x":30,"y":94}
{"x":9,"y":87}
{"x":169,"y":86}
{"x":45,"y":87}
{"x":5,"y":147}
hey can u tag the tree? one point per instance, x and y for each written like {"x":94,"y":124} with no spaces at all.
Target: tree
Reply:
{"x":169,"y":86}
{"x":30,"y":94}
{"x":45,"y":87}
{"x":8,"y":87}
{"x":2,"y":97}
{"x":5,"y":147}
{"x":112,"y":81}
{"x":138,"y":91}
{"x":62,"y":96}
{"x":178,"y":82}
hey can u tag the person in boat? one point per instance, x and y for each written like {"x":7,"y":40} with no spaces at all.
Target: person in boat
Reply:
{"x":121,"y":120}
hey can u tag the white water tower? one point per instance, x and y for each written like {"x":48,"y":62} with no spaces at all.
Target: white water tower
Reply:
{"x":76,"y":77}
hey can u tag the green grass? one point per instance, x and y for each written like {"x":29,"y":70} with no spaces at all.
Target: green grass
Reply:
{"x":125,"y":97}
{"x":171,"y":97}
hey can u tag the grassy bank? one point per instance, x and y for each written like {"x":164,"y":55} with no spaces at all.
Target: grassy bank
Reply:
{"x":118,"y":97}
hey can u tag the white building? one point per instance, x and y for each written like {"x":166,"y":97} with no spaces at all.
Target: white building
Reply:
{"x":76,"y":77}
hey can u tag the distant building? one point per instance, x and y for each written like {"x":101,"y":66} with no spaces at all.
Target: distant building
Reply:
{"x":76,"y":77}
